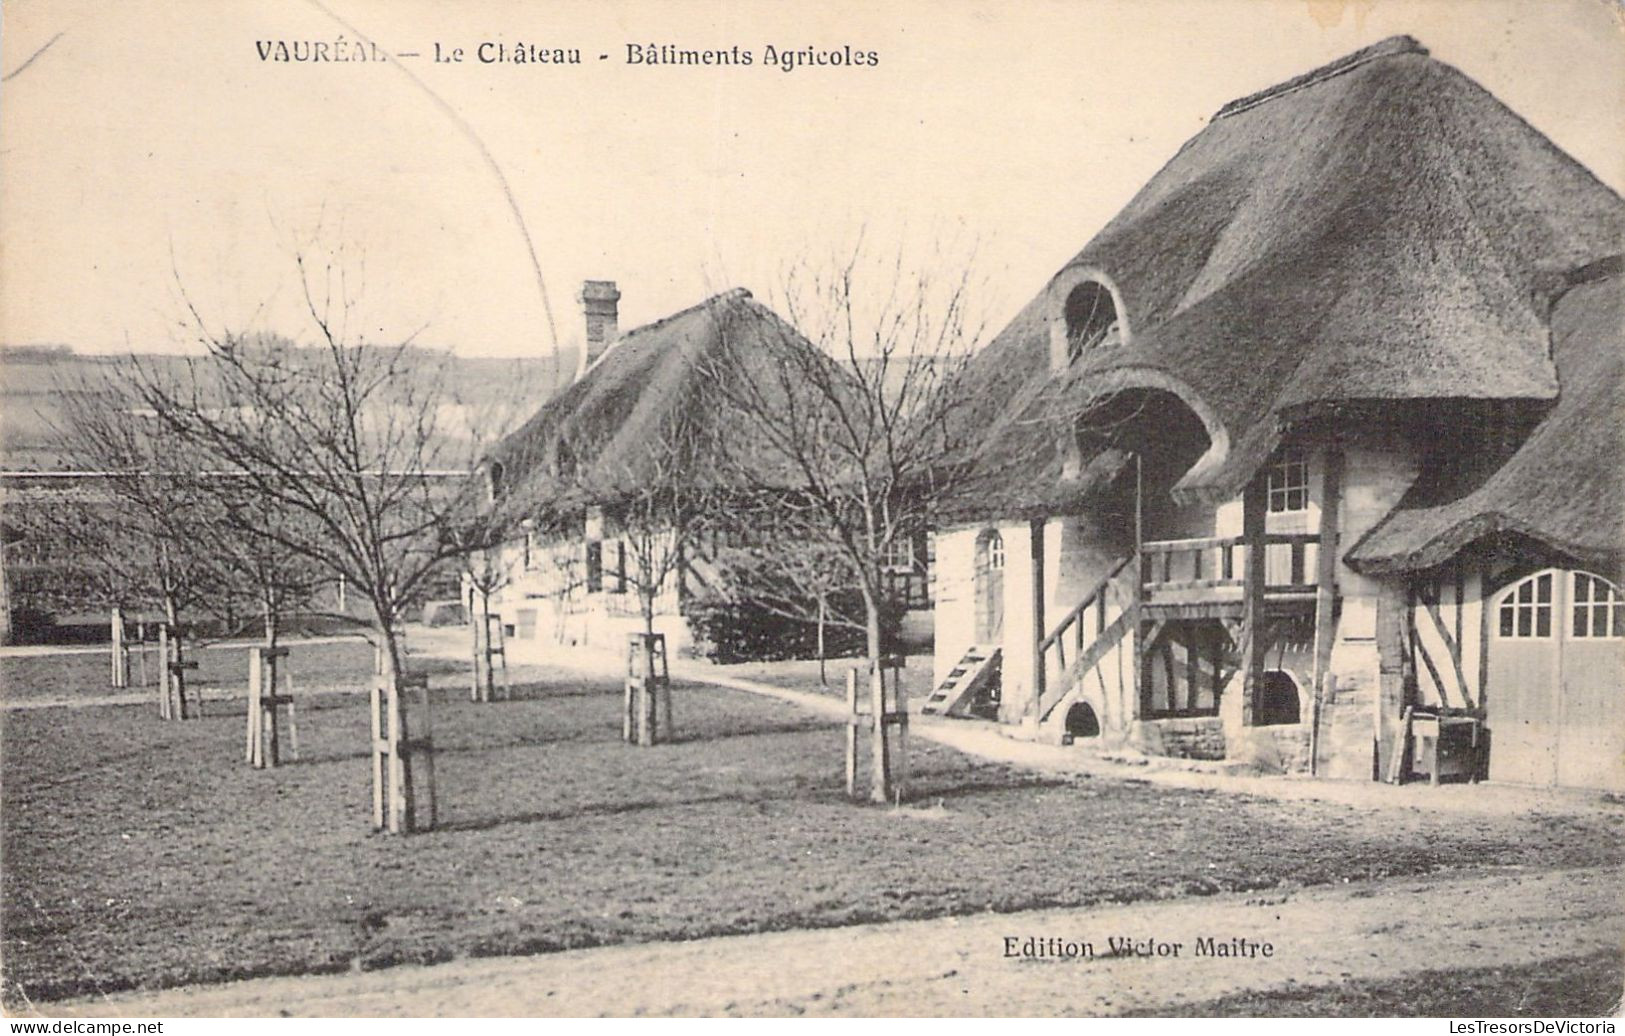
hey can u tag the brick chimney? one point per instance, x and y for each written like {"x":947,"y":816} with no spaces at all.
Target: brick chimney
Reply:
{"x":599,"y":307}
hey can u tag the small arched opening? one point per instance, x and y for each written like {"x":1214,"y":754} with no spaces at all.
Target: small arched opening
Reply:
{"x":1081,"y":721}
{"x":989,"y":587}
{"x":1277,"y":700}
{"x":1091,"y":319}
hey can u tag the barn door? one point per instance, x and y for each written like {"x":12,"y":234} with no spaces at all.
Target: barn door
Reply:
{"x":1591,"y":736}
{"x":1555,"y":698}
{"x":989,"y":588}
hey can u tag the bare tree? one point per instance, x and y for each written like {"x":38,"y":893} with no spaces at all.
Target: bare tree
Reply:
{"x":850,"y":415}
{"x":352,"y":437}
{"x":659,"y":505}
{"x":166,"y":514}
{"x":775,"y":563}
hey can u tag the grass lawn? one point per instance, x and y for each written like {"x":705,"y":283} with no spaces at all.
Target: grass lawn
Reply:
{"x":802,"y":675}
{"x":139,"y":853}
{"x":85,"y":674}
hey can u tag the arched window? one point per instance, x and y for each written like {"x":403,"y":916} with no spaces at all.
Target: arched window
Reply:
{"x":990,"y":551}
{"x":494,"y":473}
{"x":1599,"y":611}
{"x":1525,"y":612}
{"x":1091,"y":319}
{"x":989,"y":587}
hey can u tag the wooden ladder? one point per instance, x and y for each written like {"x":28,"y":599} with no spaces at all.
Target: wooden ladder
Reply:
{"x":958,"y":689}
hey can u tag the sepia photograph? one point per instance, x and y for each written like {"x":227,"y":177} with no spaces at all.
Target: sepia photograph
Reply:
{"x":727,"y":508}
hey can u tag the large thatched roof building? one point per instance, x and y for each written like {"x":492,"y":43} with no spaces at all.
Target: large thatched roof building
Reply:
{"x":1320,"y":432}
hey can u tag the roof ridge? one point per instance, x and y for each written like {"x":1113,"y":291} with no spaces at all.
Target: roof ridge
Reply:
{"x":731,"y":295}
{"x":1390,"y":47}
{"x":721,"y":297}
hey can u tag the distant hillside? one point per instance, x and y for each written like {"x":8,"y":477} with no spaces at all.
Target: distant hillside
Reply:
{"x":34,"y":380}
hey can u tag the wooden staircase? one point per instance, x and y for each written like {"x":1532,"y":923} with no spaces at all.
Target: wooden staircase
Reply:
{"x":1087,"y":636}
{"x":973,"y":672}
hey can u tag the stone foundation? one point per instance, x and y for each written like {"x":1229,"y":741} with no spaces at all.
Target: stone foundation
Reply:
{"x":1196,"y":737}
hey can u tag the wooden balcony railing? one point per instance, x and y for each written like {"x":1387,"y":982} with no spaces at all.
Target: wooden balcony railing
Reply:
{"x":1220,"y":562}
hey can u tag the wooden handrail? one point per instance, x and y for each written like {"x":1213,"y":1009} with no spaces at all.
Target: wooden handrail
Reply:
{"x":1276,"y":538}
{"x":1212,"y":542}
{"x":1098,"y":649}
{"x":1180,"y":546}
{"x":1077,"y":613}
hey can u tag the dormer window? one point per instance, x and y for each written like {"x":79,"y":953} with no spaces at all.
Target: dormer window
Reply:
{"x":1091,"y":319}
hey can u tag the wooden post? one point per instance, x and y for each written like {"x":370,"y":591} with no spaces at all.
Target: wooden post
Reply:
{"x":379,"y":767}
{"x":1393,"y":649}
{"x":177,"y":681}
{"x":1140,"y":701}
{"x":1036,"y":544}
{"x":164,"y":700}
{"x":293,"y":717}
{"x":647,"y":703}
{"x":419,"y":802}
{"x":481,"y":632}
{"x":1254,"y":501}
{"x":270,"y":701}
{"x":120,"y":676}
{"x":1331,"y":497}
{"x":629,"y":717}
{"x":394,"y":736}
{"x":252,"y":740}
{"x":879,"y":763}
{"x":141,"y":652}
{"x":852,"y":733}
{"x":900,"y":704}
{"x":646,"y":706}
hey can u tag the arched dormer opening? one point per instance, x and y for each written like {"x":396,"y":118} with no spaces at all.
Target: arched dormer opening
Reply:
{"x":1091,"y":319}
{"x":1086,"y":314}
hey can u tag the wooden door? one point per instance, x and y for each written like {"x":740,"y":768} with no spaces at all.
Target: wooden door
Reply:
{"x":989,"y":588}
{"x":1556,"y":704}
{"x":1524,"y":680}
{"x":1591,"y":731}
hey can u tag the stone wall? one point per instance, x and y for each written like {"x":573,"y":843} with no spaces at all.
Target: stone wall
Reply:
{"x":1198,"y":737}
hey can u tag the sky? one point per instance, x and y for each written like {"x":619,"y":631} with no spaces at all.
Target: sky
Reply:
{"x":149,"y":157}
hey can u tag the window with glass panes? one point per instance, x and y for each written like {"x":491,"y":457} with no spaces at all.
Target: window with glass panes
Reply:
{"x":1598,"y":610}
{"x":1289,"y":482}
{"x":1527,"y":611}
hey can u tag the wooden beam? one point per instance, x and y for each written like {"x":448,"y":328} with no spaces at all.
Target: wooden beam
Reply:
{"x":1040,"y":632}
{"x":1326,"y":597}
{"x":1193,"y":665}
{"x":1484,"y":620}
{"x":1253,"y":643}
{"x":1393,"y":664}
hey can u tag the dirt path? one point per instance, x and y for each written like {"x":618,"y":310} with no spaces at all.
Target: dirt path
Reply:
{"x":958,"y":965}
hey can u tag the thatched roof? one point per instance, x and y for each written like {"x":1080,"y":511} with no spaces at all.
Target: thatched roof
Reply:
{"x":1564,"y":486}
{"x":644,"y":412}
{"x":1378,"y":231}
